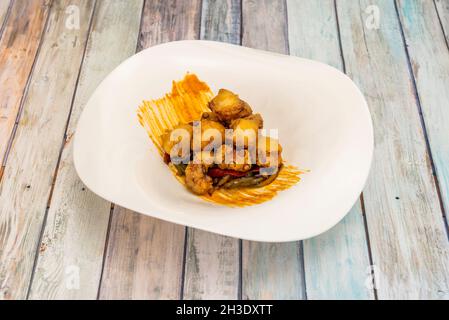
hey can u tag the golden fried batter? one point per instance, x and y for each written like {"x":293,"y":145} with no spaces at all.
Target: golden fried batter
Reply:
{"x":228,"y":106}
{"x":210,"y":116}
{"x":184,"y":131}
{"x":209,"y":132}
{"x":245,"y":132}
{"x":242,"y":164}
{"x":256,"y":118}
{"x":197,"y":180}
{"x":267,"y":149}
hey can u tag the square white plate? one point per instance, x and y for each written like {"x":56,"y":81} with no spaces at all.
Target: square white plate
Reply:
{"x":323,"y":121}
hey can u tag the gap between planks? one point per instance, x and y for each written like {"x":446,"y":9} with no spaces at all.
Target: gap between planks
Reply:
{"x":79,"y":239}
{"x":10,"y":139}
{"x":64,"y":141}
{"x":362,"y":201}
{"x":182,"y":19}
{"x":28,"y":174}
{"x":408,"y":239}
{"x":4,"y":15}
{"x":211,"y":261}
{"x":270,"y":270}
{"x":416,"y":91}
{"x":442,"y":7}
{"x":343,"y":250}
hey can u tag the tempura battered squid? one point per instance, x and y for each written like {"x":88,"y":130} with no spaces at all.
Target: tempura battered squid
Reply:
{"x":217,"y":160}
{"x":231,"y":171}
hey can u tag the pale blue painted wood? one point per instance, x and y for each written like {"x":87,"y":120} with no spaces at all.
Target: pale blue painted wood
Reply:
{"x":407,"y":233}
{"x":429,"y":55}
{"x":337,"y":261}
{"x":221,"y":20}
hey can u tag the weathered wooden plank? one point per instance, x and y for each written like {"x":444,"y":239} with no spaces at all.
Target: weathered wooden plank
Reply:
{"x":265,"y":25}
{"x":212,"y":266}
{"x":408,"y":239}
{"x":152,"y":249}
{"x":144,"y":258}
{"x":342,"y":251}
{"x":270,"y":270}
{"x":75,"y":233}
{"x":442,"y":7}
{"x":32,"y":161}
{"x":313,"y":31}
{"x":212,"y":261}
{"x":169,"y":20}
{"x":337,"y":262}
{"x":18,"y":46}
{"x":429,"y":56}
{"x":220,"y":20}
{"x":4,"y":6}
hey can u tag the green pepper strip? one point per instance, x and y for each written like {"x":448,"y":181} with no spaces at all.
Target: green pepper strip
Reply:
{"x":244,"y":182}
{"x":181,"y":168}
{"x":270,"y":179}
{"x":223,"y":180}
{"x":252,"y":182}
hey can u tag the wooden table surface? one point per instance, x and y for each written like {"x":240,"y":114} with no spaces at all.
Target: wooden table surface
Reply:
{"x":60,"y":241}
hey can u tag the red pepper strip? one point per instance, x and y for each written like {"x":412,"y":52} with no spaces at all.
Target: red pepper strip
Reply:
{"x":219,"y":173}
{"x":167,"y":158}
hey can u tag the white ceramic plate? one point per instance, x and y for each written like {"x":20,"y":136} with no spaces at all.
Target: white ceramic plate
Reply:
{"x":323,"y":121}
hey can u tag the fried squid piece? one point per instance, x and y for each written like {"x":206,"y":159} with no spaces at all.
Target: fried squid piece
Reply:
{"x":197,"y":179}
{"x":236,"y":161}
{"x":269,"y":152}
{"x":228,"y":106}
{"x":175,"y":136}
{"x":245,"y":131}
{"x":210,"y":132}
{"x":255,"y":120}
{"x":210,"y":116}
